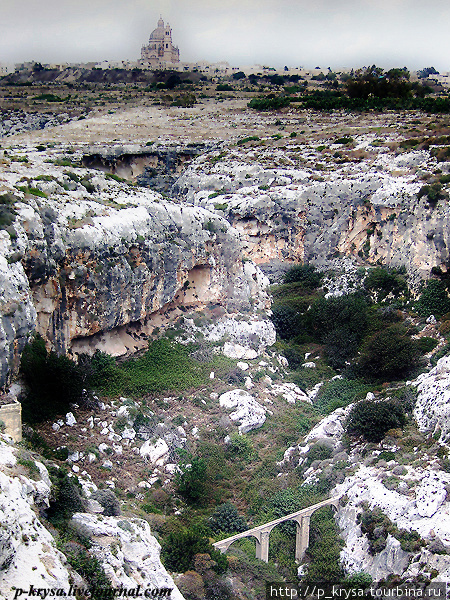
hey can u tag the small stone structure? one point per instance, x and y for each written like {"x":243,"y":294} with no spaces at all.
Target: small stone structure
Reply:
{"x":262,"y":533}
{"x":11,"y":416}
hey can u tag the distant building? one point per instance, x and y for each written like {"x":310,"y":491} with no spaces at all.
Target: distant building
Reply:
{"x":6,"y":69}
{"x":160,"y":49}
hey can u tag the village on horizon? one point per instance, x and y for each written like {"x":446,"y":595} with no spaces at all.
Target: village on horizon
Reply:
{"x":160,"y":53}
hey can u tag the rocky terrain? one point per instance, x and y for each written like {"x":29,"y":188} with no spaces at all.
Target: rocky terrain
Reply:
{"x":107,"y":243}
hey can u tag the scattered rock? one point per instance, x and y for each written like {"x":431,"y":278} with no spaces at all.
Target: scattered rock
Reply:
{"x":249,"y":412}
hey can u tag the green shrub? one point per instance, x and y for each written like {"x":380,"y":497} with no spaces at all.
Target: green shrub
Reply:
{"x":90,"y":568}
{"x":286,"y":320}
{"x":359,"y":580}
{"x":319,"y":451}
{"x":66,"y":496}
{"x":324,"y":549}
{"x":426,"y":344}
{"x":348,"y":310}
{"x":305,"y":274}
{"x":341,"y":345}
{"x":7,"y":211}
{"x":433,"y":300}
{"x":179,"y":549}
{"x":114,"y":177}
{"x":388,"y":354}
{"x":53,"y":382}
{"x":268,"y":103}
{"x":32,"y":191}
{"x":227,"y":519}
{"x":191,"y":482}
{"x":376,"y":525}
{"x":251,"y":138}
{"x":372,"y":419}
{"x":337,"y":393}
{"x":432,"y":192}
{"x":381,"y":282}
{"x":344,"y":140}
{"x":109,"y":501}
{"x":185,"y":100}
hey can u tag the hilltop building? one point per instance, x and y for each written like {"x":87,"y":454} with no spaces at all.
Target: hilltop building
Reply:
{"x":160,"y":49}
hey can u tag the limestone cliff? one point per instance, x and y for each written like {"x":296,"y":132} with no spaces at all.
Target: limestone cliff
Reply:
{"x":75,"y":263}
{"x":28,"y":551}
{"x":290,"y":210}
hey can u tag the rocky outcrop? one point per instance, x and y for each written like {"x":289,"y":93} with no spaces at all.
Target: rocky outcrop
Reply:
{"x":129,"y":554}
{"x":371,"y":211}
{"x":249,"y":413}
{"x":17,"y":312}
{"x":432,"y":409}
{"x":29,"y":556}
{"x":76,"y":263}
{"x":28,"y":551}
{"x":420,"y":505}
{"x":17,"y":121}
{"x":156,"y":167}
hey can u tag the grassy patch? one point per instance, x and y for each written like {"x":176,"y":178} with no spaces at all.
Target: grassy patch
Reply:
{"x":165,"y":366}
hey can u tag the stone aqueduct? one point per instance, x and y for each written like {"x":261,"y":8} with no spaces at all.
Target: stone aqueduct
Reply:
{"x":262,"y":532}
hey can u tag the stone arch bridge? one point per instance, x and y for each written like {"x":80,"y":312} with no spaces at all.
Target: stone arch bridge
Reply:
{"x":262,"y":532}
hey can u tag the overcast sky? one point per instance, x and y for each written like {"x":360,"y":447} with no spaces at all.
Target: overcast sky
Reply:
{"x":335,"y":33}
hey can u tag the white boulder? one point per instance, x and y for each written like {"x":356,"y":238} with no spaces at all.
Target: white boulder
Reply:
{"x":70,"y":419}
{"x":156,"y":453}
{"x":249,"y":412}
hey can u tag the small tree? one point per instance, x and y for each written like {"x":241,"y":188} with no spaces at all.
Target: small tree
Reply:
{"x":388,"y":354}
{"x":108,"y":500}
{"x":180,"y":547}
{"x":305,"y":274}
{"x":191,"y":482}
{"x":381,"y":282}
{"x":53,"y":382}
{"x":227,"y":519}
{"x":372,"y":419}
{"x":433,"y":300}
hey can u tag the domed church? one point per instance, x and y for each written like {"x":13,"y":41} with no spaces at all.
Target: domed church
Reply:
{"x":160,"y":49}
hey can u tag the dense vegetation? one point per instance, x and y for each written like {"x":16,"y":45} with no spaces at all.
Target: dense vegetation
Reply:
{"x":366,"y":89}
{"x":55,"y":382}
{"x":363,"y":333}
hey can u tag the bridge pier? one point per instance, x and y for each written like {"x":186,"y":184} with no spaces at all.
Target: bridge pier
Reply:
{"x":262,"y":545}
{"x":302,"y":537}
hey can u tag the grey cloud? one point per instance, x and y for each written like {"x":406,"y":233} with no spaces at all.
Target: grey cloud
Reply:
{"x":293,"y":32}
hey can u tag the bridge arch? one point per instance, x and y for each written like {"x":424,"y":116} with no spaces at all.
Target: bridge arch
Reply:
{"x":262,"y":532}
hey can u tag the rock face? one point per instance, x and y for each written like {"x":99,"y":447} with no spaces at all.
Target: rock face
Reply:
{"x":432,"y":410}
{"x":17,"y":312}
{"x":27,"y":550}
{"x":16,"y":121}
{"x":28,"y":553}
{"x":249,"y":413}
{"x":129,"y":553}
{"x":106,"y":260}
{"x":369,"y":209}
{"x":420,"y":506}
{"x":156,"y":167}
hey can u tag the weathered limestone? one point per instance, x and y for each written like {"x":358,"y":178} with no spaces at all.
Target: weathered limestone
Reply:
{"x":108,"y":279}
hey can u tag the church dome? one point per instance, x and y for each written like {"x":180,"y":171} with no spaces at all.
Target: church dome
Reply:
{"x":158,"y":33}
